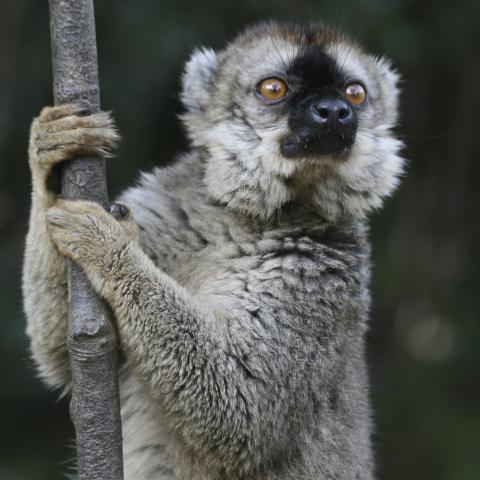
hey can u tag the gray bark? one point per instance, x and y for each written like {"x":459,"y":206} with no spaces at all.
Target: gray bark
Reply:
{"x":92,"y":340}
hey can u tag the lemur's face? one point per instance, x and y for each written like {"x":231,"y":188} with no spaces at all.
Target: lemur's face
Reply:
{"x":294,"y":114}
{"x":319,"y":101}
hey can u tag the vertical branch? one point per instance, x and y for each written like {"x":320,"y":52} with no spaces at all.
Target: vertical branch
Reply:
{"x":92,"y":342}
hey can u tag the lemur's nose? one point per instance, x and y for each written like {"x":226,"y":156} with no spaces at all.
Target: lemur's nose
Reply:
{"x":332,"y":113}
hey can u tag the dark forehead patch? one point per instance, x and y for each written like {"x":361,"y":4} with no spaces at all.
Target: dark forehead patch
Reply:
{"x":316,"y":70}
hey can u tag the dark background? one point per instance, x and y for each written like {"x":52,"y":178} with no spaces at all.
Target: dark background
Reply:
{"x":425,"y":334}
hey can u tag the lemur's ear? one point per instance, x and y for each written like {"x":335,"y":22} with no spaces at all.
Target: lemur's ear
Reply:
{"x":197,"y":79}
{"x":390,"y":81}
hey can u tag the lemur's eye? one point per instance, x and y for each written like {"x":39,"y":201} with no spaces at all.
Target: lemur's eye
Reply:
{"x":272,"y":89}
{"x":355,"y":93}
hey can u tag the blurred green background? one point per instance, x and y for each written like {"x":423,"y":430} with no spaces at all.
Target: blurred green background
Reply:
{"x":425,"y":334}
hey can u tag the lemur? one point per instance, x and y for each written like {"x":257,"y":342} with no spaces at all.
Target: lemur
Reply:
{"x":239,"y":275}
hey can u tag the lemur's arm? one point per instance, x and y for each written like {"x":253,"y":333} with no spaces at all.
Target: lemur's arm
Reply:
{"x":56,"y":135}
{"x":181,"y":347}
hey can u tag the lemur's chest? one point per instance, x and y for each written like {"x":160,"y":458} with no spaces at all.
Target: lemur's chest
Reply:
{"x":280,"y":273}
{"x":294,"y":265}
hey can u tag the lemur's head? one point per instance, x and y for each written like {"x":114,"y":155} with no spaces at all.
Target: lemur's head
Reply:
{"x":291,"y":113}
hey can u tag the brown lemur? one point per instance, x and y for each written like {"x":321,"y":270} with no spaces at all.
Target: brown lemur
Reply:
{"x":239,"y":279}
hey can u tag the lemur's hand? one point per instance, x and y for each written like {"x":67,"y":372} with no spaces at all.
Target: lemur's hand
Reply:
{"x":93,"y":238}
{"x":64,"y":132}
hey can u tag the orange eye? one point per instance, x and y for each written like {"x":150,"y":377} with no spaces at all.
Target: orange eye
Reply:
{"x":355,"y":93}
{"x":272,"y":89}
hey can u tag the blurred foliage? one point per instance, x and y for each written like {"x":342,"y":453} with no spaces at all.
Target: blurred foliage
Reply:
{"x":425,"y":333}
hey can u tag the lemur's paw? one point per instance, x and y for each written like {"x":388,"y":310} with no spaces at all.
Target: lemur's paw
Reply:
{"x":68,"y":131}
{"x":89,"y":235}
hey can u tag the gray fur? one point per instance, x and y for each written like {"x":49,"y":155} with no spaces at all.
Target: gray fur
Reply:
{"x":242,"y":297}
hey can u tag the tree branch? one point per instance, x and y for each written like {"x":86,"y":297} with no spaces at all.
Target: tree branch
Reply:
{"x":92,"y":340}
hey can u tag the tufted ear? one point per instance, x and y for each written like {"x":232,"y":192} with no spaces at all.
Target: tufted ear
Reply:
{"x":390,"y":85}
{"x":197,"y":79}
